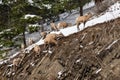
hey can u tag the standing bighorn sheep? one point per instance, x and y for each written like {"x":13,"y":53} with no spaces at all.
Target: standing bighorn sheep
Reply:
{"x":82,"y":19}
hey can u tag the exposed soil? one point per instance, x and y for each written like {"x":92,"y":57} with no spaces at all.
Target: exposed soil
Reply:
{"x":92,"y":54}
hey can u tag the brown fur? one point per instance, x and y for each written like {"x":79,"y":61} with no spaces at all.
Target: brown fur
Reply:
{"x":62,"y":25}
{"x":82,"y":19}
{"x":51,"y":39}
{"x":53,"y":26}
{"x":16,"y":61}
{"x":22,"y":46}
{"x":37,"y":49}
{"x":43,"y":34}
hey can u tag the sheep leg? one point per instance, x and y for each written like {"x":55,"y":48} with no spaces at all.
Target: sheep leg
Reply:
{"x":84,"y":24}
{"x":78,"y":26}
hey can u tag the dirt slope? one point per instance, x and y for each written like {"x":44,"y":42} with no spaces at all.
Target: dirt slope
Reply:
{"x":92,"y":54}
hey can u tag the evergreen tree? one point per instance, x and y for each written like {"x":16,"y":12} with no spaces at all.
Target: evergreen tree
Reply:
{"x":14,"y":10}
{"x":17,"y":9}
{"x":80,"y":4}
{"x":4,"y":16}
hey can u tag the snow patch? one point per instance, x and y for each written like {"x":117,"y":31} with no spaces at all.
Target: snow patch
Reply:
{"x":115,"y":13}
{"x":10,"y":65}
{"x":9,"y":73}
{"x":83,"y":36}
{"x":29,"y":15}
{"x":45,"y":51}
{"x":81,"y":46}
{"x":4,"y":61}
{"x":98,"y":70}
{"x":88,"y":5}
{"x":91,"y":43}
{"x":77,"y":61}
{"x":59,"y":74}
{"x":50,"y":52}
{"x":32,"y":64}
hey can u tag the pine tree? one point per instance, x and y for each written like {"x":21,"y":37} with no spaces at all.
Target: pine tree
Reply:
{"x":80,"y":4}
{"x":19,"y":8}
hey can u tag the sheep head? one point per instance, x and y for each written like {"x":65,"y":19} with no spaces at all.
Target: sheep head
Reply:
{"x":43,"y":34}
{"x":37,"y":49}
{"x":16,"y":61}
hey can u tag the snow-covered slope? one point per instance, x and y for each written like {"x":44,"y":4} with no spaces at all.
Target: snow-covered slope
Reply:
{"x":112,"y":13}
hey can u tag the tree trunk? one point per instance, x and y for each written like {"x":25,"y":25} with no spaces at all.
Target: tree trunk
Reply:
{"x":42,"y":26}
{"x":97,"y":2}
{"x":81,"y":8}
{"x":24,"y":39}
{"x":81,"y":11}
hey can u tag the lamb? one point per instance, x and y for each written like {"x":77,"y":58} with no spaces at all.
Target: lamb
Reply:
{"x":53,"y":26}
{"x":43,"y":34}
{"x":30,"y":42}
{"x":16,"y":63}
{"x":63,"y":25}
{"x":37,"y":49}
{"x":22,"y":46}
{"x":82,"y":19}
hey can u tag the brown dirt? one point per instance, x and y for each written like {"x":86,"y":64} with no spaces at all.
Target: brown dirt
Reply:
{"x":92,"y":54}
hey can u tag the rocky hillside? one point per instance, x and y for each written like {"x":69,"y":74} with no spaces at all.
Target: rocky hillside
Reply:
{"x":91,"y":54}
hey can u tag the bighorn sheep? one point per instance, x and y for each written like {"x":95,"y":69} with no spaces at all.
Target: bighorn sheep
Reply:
{"x":51,"y":39}
{"x":30,"y":41}
{"x":63,"y":25}
{"x":37,"y":49}
{"x":22,"y":46}
{"x":53,"y":26}
{"x":16,"y":63}
{"x":82,"y":19}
